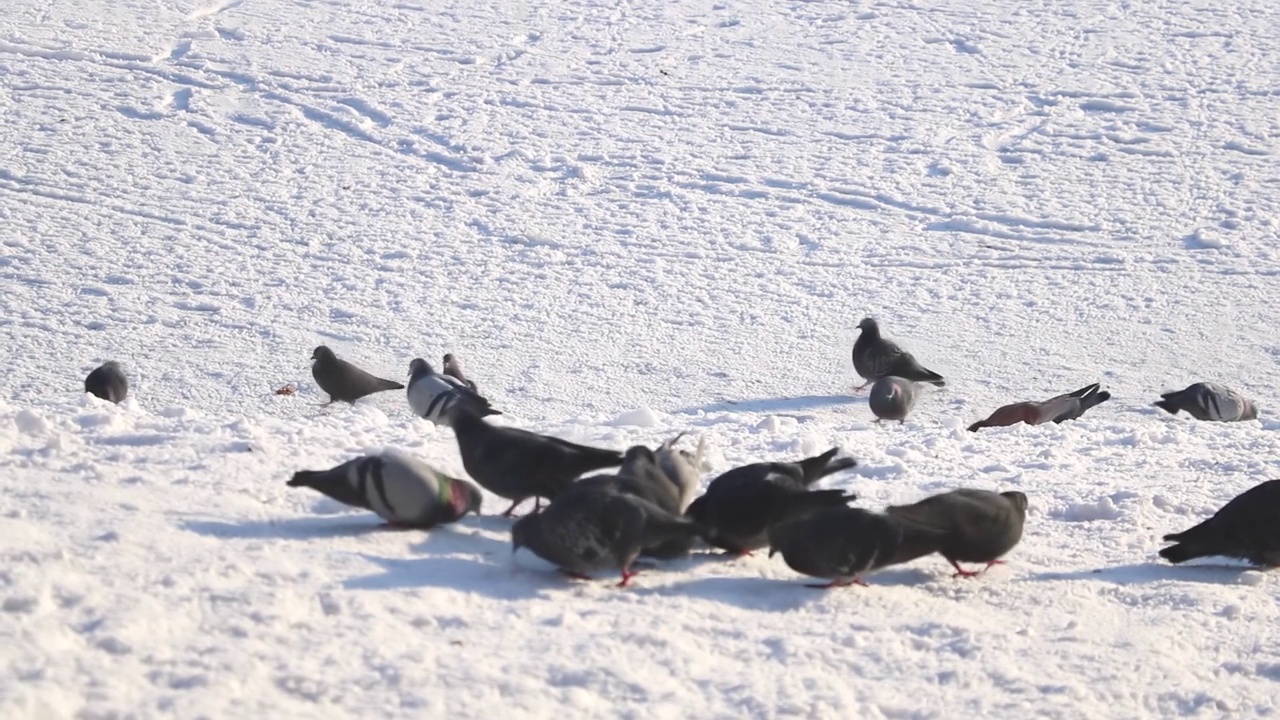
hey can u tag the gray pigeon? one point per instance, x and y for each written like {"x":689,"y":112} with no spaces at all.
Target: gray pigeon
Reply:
{"x":682,"y":467}
{"x":592,"y":529}
{"x":433,"y":396}
{"x":740,"y":505}
{"x":1209,"y":401}
{"x":344,"y":381}
{"x":649,"y":485}
{"x":517,"y":464}
{"x":838,"y":543}
{"x":1248,"y":528}
{"x":962,"y":525}
{"x":1061,"y":408}
{"x":875,"y":357}
{"x":402,"y":490}
{"x":453,"y":369}
{"x":892,"y":398}
{"x":108,"y":382}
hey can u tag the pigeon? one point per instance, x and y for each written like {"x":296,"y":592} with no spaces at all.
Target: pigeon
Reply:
{"x":1209,"y":401}
{"x":640,"y":467}
{"x":403,"y":490}
{"x":453,"y":369}
{"x":646,"y":482}
{"x":681,"y":467}
{"x":108,"y":382}
{"x":1058,"y":409}
{"x":892,"y":398}
{"x":517,"y":464}
{"x":874,"y":358}
{"x":1248,"y":528}
{"x":837,"y":543}
{"x":433,"y":396}
{"x":740,"y":505}
{"x":593,"y":529}
{"x":344,"y":381}
{"x":962,"y":525}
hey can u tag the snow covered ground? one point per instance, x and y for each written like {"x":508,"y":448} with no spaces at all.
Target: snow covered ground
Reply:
{"x":629,"y":219}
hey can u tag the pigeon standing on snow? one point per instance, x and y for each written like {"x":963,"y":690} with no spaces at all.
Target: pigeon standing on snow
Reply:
{"x":453,"y":369}
{"x":1059,"y":409}
{"x":588,"y":530}
{"x":964,"y":525}
{"x":517,"y":464}
{"x":433,"y":396}
{"x":108,"y":382}
{"x":1248,"y":528}
{"x":740,"y":505}
{"x":1209,"y":401}
{"x":344,"y":381}
{"x":402,"y":490}
{"x":892,"y":398}
{"x":875,"y":357}
{"x":839,"y":544}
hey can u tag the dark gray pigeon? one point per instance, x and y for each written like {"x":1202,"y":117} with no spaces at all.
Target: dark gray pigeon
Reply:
{"x":839,"y":543}
{"x":1209,"y":401}
{"x":453,"y":369}
{"x":402,"y":490}
{"x":107,"y":381}
{"x":740,"y":505}
{"x":1248,"y":528}
{"x":648,"y":485}
{"x":434,"y":396}
{"x":875,"y":357}
{"x":517,"y":464}
{"x":892,"y":398}
{"x":592,"y":529}
{"x":965,"y":525}
{"x":1061,"y":408}
{"x":344,"y":381}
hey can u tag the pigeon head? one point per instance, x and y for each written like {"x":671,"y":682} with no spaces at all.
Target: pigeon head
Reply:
{"x":420,"y":367}
{"x":465,"y":497}
{"x":869,"y":325}
{"x":449,"y":358}
{"x":111,"y":364}
{"x":323,"y":354}
{"x":1018,"y":499}
{"x":1250,"y":411}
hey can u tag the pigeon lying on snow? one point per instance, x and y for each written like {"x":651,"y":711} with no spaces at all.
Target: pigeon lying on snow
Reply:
{"x":892,"y":398}
{"x":402,"y":490}
{"x":107,"y":381}
{"x":453,"y":369}
{"x":678,"y":468}
{"x":1209,"y":401}
{"x":434,"y":396}
{"x":838,"y":543}
{"x":962,"y":525}
{"x":1058,"y":409}
{"x":517,"y":464}
{"x":875,"y":357}
{"x":741,"y":504}
{"x":1248,"y":527}
{"x":344,"y":381}
{"x":591,"y":529}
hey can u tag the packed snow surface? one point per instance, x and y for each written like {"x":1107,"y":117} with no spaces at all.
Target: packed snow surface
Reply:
{"x":629,"y":220}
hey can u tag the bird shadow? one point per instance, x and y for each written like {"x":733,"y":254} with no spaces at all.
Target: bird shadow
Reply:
{"x":1146,"y":573}
{"x":748,"y":593}
{"x":290,"y":528}
{"x":495,"y":579}
{"x":772,"y":405}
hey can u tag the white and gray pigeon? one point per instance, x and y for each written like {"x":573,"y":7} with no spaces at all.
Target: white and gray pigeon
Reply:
{"x":875,"y":357}
{"x":401,"y":489}
{"x":592,"y":529}
{"x":434,"y":396}
{"x":452,"y":367}
{"x":1209,"y":401}
{"x":964,"y":525}
{"x":892,"y":398}
{"x":840,"y":544}
{"x":741,"y":504}
{"x":1248,"y":528}
{"x":107,"y":381}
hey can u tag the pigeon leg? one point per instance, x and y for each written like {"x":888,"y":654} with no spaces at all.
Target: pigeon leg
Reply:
{"x":861,"y":387}
{"x":993,"y":562}
{"x":537,"y":504}
{"x":839,"y":583}
{"x":513,"y":507}
{"x":626,"y":576}
{"x":575,"y":575}
{"x":961,"y":572}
